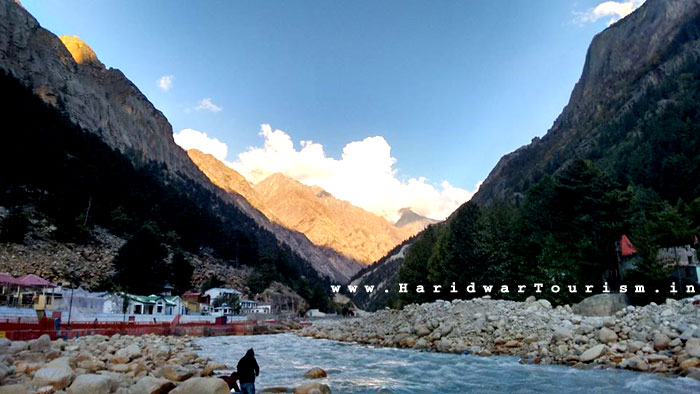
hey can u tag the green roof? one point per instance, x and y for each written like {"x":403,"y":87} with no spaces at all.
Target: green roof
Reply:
{"x":152,"y":299}
{"x":171,"y":299}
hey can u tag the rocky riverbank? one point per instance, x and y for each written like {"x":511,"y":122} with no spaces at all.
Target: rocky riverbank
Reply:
{"x":120,"y":364}
{"x":101,"y":365}
{"x":656,"y":338}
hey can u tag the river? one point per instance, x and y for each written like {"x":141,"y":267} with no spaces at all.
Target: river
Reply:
{"x":354,"y":368}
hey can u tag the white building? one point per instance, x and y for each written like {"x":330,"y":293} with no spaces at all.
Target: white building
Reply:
{"x":83,"y":301}
{"x":216,"y":292}
{"x":678,"y":256}
{"x":223,"y":310}
{"x":248,"y":306}
{"x":144,"y":305}
{"x":262,"y":309}
{"x":315,"y":313}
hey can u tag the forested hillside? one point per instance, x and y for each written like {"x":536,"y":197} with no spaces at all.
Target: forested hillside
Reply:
{"x":55,"y":170}
{"x":623,"y":158}
{"x":564,"y":233}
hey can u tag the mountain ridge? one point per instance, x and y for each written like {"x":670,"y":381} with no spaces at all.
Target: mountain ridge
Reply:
{"x":105,"y":102}
{"x":228,"y":179}
{"x":618,"y":70}
{"x":327,"y":221}
{"x":631,"y":121}
{"x":410,"y":218}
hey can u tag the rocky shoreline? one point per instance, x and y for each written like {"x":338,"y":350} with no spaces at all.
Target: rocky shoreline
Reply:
{"x":100,"y":364}
{"x":120,"y":364}
{"x":655,"y":338}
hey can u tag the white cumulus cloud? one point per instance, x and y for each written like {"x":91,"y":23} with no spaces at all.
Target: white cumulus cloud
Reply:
{"x":207,"y":104}
{"x":615,"y":10}
{"x":364,"y":175}
{"x":193,"y":139}
{"x":165,"y":82}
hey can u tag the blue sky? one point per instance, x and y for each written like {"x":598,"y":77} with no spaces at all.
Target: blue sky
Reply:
{"x":451,"y":86}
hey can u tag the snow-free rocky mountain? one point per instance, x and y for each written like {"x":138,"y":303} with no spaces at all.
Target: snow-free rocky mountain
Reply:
{"x":329,"y":221}
{"x":626,"y":66}
{"x":66,"y":74}
{"x":325,"y":220}
{"x":634,"y":70}
{"x":413,"y":220}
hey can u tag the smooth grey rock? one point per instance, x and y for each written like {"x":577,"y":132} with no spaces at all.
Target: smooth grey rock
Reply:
{"x":661,"y":341}
{"x":601,"y":305}
{"x":561,"y":334}
{"x":90,"y":384}
{"x":58,"y":377}
{"x":593,"y":353}
{"x":202,"y":386}
{"x":607,"y":335}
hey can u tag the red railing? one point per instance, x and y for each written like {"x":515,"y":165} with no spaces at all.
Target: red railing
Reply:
{"x":19,"y":330}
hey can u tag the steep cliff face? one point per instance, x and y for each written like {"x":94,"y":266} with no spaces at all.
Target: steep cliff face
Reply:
{"x":623,"y":63}
{"x":66,"y":74}
{"x":643,"y":68}
{"x":330,"y":222}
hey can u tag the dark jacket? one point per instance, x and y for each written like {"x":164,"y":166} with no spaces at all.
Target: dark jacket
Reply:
{"x":248,"y":368}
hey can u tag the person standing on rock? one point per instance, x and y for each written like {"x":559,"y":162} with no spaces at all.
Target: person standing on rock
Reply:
{"x":248,"y":369}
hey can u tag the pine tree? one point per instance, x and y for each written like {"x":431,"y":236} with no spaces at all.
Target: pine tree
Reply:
{"x":14,"y":227}
{"x":140,"y":264}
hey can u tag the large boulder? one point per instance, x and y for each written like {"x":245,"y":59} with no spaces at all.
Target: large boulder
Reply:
{"x":90,"y":384}
{"x":151,"y":385}
{"x":315,"y":373}
{"x":92,"y":365}
{"x":313,"y":388}
{"x":58,"y":377}
{"x":422,"y":344}
{"x":14,"y":389}
{"x":693,"y":347}
{"x":445,"y":329}
{"x":607,"y":335}
{"x":5,"y":371}
{"x":601,"y":305}
{"x":121,"y":368}
{"x":211,"y":367}
{"x":202,"y":386}
{"x":690,"y":363}
{"x":561,"y":334}
{"x":61,"y":362}
{"x":127,"y":354}
{"x":593,"y":353}
{"x":46,"y":390}
{"x":41,"y":344}
{"x":17,"y":346}
{"x":175,"y":373}
{"x":544,"y":304}
{"x":661,"y":342}
{"x":421,"y":330}
{"x":635,"y":363}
